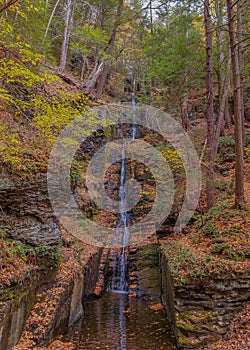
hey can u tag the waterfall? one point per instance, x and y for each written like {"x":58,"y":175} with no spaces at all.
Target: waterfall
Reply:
{"x":119,"y":282}
{"x":134,"y":128}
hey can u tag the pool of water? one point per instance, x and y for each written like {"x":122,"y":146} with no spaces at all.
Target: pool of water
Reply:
{"x":117,"y":322}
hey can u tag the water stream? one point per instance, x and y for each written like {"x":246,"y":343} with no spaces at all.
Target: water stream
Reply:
{"x":117,"y":322}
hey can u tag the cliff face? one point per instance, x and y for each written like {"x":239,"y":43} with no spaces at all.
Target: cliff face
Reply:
{"x":201,"y":311}
{"x":26,"y":209}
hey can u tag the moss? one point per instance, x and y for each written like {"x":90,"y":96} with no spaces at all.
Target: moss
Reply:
{"x":149,"y":255}
{"x":198,"y":316}
{"x":186,"y":325}
{"x":189,"y":324}
{"x":187,"y":341}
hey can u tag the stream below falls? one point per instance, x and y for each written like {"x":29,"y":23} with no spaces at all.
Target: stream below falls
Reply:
{"x":116,"y":321}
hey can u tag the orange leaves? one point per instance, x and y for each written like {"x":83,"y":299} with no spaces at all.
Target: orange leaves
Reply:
{"x":156,"y":307}
{"x":238,"y":336}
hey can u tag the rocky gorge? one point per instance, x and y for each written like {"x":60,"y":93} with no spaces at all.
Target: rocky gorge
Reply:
{"x":48,"y":299}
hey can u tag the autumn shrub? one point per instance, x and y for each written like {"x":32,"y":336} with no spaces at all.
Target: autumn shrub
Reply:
{"x":227,"y":148}
{"x":173,"y":158}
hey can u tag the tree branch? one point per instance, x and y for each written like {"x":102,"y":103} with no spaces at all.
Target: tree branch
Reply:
{"x":7,"y":5}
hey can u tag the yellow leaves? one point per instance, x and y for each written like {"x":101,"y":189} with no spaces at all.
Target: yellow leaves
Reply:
{"x":29,"y":56}
{"x":37,"y":8}
{"x":5,"y":27}
{"x":173,"y":157}
{"x":14,"y":72}
{"x":50,"y":117}
{"x":50,"y":78}
{"x":5,"y":96}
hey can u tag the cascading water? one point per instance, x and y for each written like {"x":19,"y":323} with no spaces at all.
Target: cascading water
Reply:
{"x":119,"y":278}
{"x":134,"y":128}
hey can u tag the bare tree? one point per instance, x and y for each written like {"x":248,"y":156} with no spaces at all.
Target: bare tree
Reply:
{"x":7,"y":5}
{"x":223,"y":75}
{"x":210,"y":155}
{"x":68,"y":18}
{"x":240,"y":54}
{"x":50,"y":18}
{"x":223,"y":105}
{"x":184,"y":109}
{"x":238,"y":119}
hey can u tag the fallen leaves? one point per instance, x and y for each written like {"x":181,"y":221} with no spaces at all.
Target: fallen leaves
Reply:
{"x":238,"y":335}
{"x":156,"y":307}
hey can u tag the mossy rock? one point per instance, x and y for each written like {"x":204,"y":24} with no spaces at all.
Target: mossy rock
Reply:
{"x":148,"y":255}
{"x":187,"y":342}
{"x":195,"y":323}
{"x":198,"y":316}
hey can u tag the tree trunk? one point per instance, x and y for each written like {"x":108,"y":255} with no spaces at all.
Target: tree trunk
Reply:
{"x":223,"y":108}
{"x":184,"y":111}
{"x":228,"y":121}
{"x":239,"y":161}
{"x":210,"y":155}
{"x":51,"y":17}
{"x":7,"y":5}
{"x":94,"y":76}
{"x":66,"y":35}
{"x":184,"y":114}
{"x":240,"y":53}
{"x":221,"y":56}
{"x":111,"y":44}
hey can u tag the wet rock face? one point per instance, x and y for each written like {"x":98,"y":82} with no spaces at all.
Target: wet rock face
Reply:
{"x":14,"y":310}
{"x":144,"y":271}
{"x":203,"y":310}
{"x":25,"y":207}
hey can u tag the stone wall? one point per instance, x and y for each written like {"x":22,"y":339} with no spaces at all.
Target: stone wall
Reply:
{"x":60,"y":303}
{"x":15,"y":307}
{"x":25,"y":207}
{"x":148,"y":271}
{"x":167,"y":291}
{"x":203,"y":310}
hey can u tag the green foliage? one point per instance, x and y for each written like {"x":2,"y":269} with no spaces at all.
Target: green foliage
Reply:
{"x":247,"y":139}
{"x":51,"y":254}
{"x":226,"y":141}
{"x":247,"y":153}
{"x":210,"y":230}
{"x":76,"y":171}
{"x":17,"y":249}
{"x":171,"y":61}
{"x":236,"y":252}
{"x":214,"y":222}
{"x":227,"y":148}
